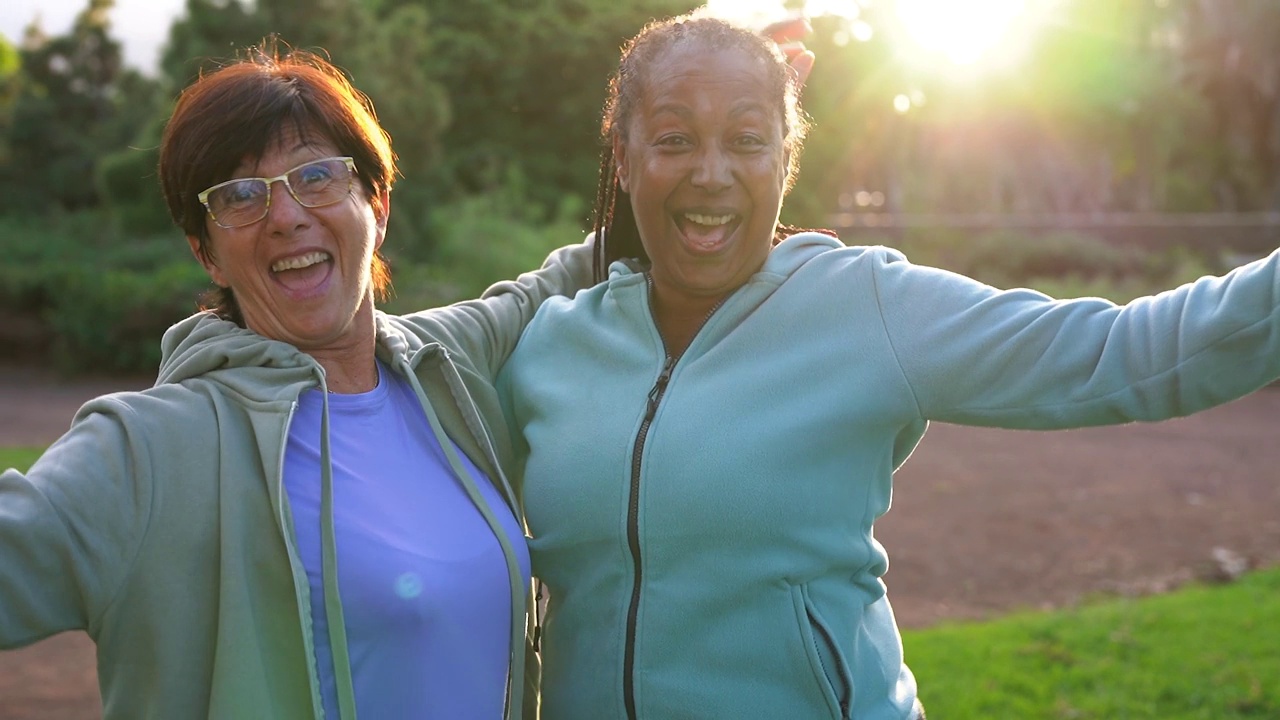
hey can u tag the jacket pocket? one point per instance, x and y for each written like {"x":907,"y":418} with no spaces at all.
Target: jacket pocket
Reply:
{"x":828,"y":664}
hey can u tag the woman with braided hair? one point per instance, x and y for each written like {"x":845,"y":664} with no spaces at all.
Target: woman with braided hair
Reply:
{"x":710,"y":433}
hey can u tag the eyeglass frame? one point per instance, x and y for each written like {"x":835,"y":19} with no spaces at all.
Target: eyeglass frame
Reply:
{"x":203,"y":197}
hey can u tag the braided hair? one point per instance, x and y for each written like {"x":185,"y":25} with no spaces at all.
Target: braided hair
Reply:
{"x":614,"y":224}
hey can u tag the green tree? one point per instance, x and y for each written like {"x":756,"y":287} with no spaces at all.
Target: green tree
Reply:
{"x":1231,"y":60}
{"x":208,"y":32}
{"x":394,"y":64}
{"x":10,"y":82}
{"x":525,"y":81}
{"x":63,"y":101}
{"x":1096,"y":117}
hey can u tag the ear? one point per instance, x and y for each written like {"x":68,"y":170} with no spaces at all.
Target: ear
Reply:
{"x":621,"y":163}
{"x":206,"y":260}
{"x":381,"y":211}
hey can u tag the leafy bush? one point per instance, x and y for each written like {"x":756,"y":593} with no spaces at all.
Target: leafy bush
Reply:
{"x":92,"y":301}
{"x":129,"y":188}
{"x":481,"y":240}
{"x":107,"y":321}
{"x":75,"y":288}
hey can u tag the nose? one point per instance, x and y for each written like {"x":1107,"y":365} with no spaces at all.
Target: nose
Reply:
{"x":285,"y":213}
{"x":713,"y":168}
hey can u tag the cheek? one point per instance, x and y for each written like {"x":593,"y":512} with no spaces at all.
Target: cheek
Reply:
{"x":774,"y":173}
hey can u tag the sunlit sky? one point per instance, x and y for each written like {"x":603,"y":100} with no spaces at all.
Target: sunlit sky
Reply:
{"x":963,"y":32}
{"x":141,"y":26}
{"x":967,"y":33}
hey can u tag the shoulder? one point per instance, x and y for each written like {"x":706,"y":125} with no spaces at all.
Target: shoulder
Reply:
{"x":804,"y":248}
{"x":406,"y":333}
{"x":820,"y":258}
{"x":162,"y":414}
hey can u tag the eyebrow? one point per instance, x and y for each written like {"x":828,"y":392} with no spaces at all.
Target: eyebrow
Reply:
{"x":302,"y":144}
{"x":739,"y":108}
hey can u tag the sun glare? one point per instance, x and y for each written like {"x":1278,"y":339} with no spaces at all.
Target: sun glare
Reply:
{"x":965,"y":33}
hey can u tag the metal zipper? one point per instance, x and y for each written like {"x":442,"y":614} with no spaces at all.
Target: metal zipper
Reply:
{"x":633,"y":507}
{"x":821,"y":635}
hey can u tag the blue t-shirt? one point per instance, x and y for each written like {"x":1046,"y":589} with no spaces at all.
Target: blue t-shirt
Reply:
{"x":424,"y":586}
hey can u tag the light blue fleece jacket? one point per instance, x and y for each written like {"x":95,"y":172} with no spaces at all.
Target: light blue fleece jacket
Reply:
{"x":706,"y":531}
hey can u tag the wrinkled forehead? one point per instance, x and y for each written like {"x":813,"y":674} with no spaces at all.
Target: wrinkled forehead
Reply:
{"x":288,"y":140}
{"x":731,"y":80}
{"x":687,"y":58}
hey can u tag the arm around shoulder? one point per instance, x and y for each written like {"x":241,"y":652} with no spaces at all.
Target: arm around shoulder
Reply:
{"x":487,"y":329}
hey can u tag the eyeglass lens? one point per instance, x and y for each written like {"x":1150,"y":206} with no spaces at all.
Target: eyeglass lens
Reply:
{"x":241,"y":202}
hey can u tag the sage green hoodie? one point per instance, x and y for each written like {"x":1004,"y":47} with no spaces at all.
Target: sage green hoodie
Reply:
{"x":159,"y":524}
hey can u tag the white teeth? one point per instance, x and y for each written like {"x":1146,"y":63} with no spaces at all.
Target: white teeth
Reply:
{"x":708,"y":219}
{"x":299,"y":262}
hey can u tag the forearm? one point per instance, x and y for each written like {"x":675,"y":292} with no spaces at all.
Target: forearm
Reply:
{"x":487,"y":329}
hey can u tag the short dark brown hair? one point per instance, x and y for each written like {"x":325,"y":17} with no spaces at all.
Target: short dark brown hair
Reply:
{"x":237,"y":111}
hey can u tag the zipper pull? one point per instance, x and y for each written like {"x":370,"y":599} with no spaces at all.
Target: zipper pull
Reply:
{"x":537,"y":617}
{"x":659,"y":387}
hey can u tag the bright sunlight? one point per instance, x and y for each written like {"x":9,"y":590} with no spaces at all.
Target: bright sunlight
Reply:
{"x":962,"y":32}
{"x":967,"y":33}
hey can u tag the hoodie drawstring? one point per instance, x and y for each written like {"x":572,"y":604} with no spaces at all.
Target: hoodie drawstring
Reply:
{"x":329,"y":573}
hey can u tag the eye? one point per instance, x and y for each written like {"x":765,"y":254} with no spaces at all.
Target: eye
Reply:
{"x":749,"y":141}
{"x":313,"y":175}
{"x":673,"y":140}
{"x":244,"y":192}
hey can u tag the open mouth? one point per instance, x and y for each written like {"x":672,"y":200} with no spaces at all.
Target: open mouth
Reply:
{"x":707,"y":232}
{"x":302,"y":273}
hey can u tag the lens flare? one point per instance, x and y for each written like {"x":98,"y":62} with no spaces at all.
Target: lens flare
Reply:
{"x":963,"y":32}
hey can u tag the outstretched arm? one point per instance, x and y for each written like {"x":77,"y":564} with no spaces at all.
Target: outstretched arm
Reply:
{"x":1018,"y":359}
{"x":68,"y":529}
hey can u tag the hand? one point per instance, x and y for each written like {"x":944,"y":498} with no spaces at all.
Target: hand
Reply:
{"x":789,"y":35}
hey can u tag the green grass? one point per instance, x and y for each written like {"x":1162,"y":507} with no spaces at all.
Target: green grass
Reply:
{"x":18,"y":457}
{"x":1210,"y":653}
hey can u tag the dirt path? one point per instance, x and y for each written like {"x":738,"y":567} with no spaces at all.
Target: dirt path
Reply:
{"x":984,"y":521}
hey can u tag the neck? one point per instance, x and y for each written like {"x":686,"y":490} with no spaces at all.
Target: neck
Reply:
{"x":349,"y":376}
{"x":680,"y":319}
{"x":349,"y":365}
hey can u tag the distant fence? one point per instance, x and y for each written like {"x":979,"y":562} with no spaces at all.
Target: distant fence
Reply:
{"x":1245,"y":234}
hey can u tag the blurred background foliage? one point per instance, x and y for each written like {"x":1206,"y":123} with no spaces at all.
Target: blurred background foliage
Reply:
{"x":1133,"y":106}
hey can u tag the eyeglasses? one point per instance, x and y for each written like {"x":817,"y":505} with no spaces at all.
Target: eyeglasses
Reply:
{"x":244,"y":201}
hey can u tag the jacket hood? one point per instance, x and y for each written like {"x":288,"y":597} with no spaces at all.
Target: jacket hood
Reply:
{"x":208,"y":347}
{"x":784,"y":259}
{"x":395,"y":337}
{"x":788,"y":255}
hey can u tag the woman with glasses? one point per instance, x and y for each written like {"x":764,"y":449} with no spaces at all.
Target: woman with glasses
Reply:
{"x":306,"y":516}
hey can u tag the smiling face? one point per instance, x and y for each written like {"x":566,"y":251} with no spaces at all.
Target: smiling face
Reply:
{"x":300,"y":275}
{"x":704,"y":161}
